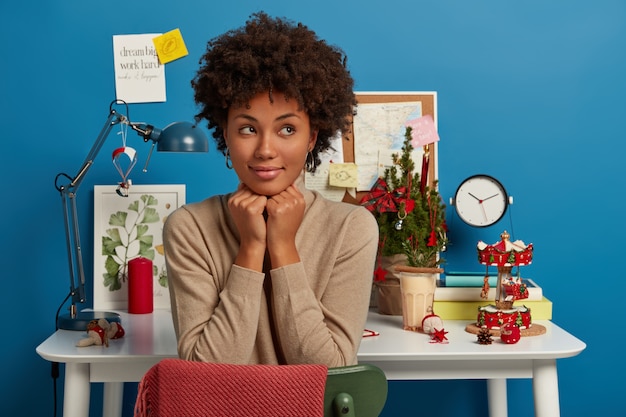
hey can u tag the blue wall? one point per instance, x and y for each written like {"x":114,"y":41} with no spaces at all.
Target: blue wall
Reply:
{"x":530,"y":92}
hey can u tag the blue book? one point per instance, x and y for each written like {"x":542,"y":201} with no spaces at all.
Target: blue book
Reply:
{"x":468,"y":279}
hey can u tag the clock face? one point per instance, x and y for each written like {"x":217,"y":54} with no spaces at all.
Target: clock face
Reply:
{"x":480,"y":200}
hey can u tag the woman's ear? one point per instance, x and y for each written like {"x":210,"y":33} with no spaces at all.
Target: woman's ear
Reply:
{"x":313,"y":139}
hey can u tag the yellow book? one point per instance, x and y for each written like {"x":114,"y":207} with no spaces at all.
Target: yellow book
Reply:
{"x":468,"y":310}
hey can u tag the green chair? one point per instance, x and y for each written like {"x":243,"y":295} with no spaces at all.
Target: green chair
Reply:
{"x":355,"y":391}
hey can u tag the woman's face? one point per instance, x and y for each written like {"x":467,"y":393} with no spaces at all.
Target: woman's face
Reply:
{"x":268,"y":142}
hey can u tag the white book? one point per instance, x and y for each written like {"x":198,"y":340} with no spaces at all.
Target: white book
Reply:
{"x":443,"y":293}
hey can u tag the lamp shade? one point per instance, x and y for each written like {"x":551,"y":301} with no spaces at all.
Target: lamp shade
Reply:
{"x":180,"y":137}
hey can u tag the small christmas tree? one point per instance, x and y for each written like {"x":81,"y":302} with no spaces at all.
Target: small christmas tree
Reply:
{"x":410,"y":213}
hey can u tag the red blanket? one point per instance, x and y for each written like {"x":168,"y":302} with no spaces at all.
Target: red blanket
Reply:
{"x":179,"y":388}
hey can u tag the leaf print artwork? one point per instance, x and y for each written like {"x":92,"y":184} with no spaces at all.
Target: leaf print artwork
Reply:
{"x":126,"y":228}
{"x":129,"y":238}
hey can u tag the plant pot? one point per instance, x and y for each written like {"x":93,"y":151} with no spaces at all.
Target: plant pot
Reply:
{"x":417,"y":286}
{"x":387,"y":296}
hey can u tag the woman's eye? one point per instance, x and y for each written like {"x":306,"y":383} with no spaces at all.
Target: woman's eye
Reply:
{"x":287,"y":131}
{"x":247,"y":130}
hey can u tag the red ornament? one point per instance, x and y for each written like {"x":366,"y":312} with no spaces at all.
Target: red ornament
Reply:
{"x":379,"y":274}
{"x":381,"y":200}
{"x":438,"y":336}
{"x":432,"y":239}
{"x":510,"y":333}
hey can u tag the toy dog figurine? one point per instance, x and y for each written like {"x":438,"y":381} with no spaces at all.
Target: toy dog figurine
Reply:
{"x":99,"y":332}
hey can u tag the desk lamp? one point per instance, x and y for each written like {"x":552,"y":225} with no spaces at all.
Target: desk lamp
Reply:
{"x":176,"y":137}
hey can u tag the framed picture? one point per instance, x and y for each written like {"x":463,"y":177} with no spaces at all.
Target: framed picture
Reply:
{"x":128,"y":227}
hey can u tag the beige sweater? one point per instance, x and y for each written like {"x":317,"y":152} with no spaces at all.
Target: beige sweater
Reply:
{"x":310,"y":312}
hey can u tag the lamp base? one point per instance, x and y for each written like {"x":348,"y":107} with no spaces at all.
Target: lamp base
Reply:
{"x":80,"y":320}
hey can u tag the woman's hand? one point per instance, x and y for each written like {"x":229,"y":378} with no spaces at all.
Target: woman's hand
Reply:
{"x":247,"y":210}
{"x":285,"y":212}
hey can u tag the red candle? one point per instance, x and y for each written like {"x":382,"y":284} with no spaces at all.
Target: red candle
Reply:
{"x":140,"y":299}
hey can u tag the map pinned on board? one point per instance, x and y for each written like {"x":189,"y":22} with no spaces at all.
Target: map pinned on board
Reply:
{"x":170,"y":46}
{"x":424,"y":131}
{"x":380,"y":127}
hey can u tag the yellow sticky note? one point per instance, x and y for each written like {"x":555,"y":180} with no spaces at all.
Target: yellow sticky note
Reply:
{"x":343,"y":175}
{"x":170,"y":46}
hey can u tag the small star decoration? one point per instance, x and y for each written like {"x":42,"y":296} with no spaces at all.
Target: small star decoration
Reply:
{"x":379,"y":274}
{"x":438,"y":336}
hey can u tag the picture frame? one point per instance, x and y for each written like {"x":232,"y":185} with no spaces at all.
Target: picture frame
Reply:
{"x":128,"y":227}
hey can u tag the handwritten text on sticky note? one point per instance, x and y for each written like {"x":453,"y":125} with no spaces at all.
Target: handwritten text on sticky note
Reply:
{"x":170,"y":46}
{"x":343,"y":175}
{"x":424,"y":131}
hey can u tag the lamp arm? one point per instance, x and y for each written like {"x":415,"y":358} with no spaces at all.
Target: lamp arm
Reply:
{"x":148,"y":132}
{"x":145,"y":130}
{"x":113,"y":119}
{"x":74,"y":253}
{"x":70,"y":213}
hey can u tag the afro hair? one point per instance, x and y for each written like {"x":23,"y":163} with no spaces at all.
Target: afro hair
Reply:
{"x":275,"y":55}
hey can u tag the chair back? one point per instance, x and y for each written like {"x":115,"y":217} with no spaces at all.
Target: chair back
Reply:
{"x":179,"y":388}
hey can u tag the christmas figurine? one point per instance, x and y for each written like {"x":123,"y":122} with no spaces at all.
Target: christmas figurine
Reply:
{"x":510,"y":333}
{"x":433,"y":325}
{"x":99,"y":332}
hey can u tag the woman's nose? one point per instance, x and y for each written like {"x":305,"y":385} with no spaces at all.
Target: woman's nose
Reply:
{"x":266,"y":147}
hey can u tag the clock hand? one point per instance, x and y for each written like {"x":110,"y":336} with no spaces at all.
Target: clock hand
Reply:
{"x":479,"y":200}
{"x":491,"y":196}
{"x":482,"y":206}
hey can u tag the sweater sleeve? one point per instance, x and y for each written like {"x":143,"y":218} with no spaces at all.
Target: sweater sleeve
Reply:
{"x":215,"y":319}
{"x":327,"y":327}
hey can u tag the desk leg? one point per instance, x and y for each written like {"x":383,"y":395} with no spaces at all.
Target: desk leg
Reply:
{"x":112,"y":399}
{"x":546,"y":388}
{"x":496,"y":394}
{"x":76,"y":390}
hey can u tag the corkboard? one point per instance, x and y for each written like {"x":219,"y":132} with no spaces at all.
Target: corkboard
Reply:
{"x":429,"y":106}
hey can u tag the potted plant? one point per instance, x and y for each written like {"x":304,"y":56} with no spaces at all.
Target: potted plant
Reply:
{"x":411,"y":219}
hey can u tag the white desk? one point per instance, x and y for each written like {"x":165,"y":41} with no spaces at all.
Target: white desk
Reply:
{"x":402,"y":355}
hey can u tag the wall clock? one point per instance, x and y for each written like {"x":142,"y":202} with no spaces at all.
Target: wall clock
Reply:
{"x":481,"y":200}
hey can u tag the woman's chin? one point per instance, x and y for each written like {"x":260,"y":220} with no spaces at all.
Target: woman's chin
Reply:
{"x":266,"y":189}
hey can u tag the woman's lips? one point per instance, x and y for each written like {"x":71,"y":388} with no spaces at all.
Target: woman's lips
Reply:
{"x":267,"y":173}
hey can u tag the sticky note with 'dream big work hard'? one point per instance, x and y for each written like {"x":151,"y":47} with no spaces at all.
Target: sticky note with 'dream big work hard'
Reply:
{"x":170,"y":46}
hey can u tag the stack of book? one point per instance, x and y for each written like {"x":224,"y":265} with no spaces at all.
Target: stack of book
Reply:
{"x":457,"y":297}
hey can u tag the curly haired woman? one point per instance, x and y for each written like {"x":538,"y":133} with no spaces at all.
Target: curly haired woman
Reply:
{"x":271,"y":273}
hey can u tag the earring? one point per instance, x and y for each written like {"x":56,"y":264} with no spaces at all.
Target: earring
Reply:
{"x":310,"y":161}
{"x":229,"y":162}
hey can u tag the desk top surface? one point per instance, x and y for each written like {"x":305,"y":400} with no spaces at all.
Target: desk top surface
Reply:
{"x":394,"y":343}
{"x":152,"y":336}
